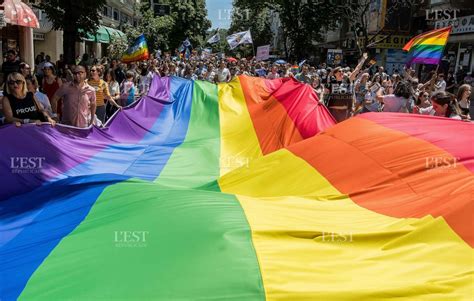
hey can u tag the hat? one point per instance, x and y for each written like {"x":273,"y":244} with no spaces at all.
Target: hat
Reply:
{"x":48,"y":65}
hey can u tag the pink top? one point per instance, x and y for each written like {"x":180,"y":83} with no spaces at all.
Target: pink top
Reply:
{"x":76,"y":104}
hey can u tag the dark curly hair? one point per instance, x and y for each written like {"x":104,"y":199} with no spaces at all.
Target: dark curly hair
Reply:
{"x":403,"y":89}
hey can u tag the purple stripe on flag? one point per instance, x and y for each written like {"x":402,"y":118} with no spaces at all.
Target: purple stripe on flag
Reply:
{"x":421,"y":60}
{"x":30,"y":154}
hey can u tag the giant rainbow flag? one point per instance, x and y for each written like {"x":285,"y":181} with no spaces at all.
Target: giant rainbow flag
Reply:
{"x":238,"y":191}
{"x":428,"y":47}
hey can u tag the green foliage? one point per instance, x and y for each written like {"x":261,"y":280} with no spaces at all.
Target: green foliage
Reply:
{"x":156,"y":30}
{"x":116,"y":48}
{"x":302,"y":22}
{"x":253,"y":15}
{"x":188,"y":19}
{"x":69,"y":15}
{"x":222,"y":45}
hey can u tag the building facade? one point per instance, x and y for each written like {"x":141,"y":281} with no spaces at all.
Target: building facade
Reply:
{"x":459,"y":15}
{"x":29,"y":42}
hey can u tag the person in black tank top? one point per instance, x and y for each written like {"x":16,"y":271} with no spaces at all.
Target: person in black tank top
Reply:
{"x":21,"y":106}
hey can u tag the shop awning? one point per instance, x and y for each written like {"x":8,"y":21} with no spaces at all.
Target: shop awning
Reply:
{"x":19,"y":13}
{"x":89,"y":37}
{"x":104,"y":34}
{"x":114,"y":32}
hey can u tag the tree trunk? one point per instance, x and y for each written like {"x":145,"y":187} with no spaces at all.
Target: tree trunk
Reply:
{"x":69,"y":47}
{"x":69,"y":38}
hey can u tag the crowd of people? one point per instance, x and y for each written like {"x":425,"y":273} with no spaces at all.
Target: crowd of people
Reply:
{"x":91,"y":91}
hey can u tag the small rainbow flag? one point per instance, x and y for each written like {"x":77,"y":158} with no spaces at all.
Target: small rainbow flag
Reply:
{"x":137,"y":52}
{"x":427,"y":48}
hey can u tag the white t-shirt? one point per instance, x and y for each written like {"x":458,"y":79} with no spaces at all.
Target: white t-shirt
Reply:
{"x":222,"y":75}
{"x":394,"y":103}
{"x":440,"y":86}
{"x":144,"y":83}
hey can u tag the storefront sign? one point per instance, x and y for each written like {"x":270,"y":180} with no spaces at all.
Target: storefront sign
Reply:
{"x":390,"y":42}
{"x":460,"y":25}
{"x":38,"y":36}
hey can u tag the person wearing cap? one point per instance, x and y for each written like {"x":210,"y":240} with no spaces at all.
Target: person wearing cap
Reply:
{"x":51,"y":83}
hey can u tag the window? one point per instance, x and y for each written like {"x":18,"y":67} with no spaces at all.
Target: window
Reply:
{"x":116,"y":15}
{"x":105,"y":11}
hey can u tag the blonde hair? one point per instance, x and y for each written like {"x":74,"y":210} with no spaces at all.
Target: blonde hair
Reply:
{"x":17,"y":76}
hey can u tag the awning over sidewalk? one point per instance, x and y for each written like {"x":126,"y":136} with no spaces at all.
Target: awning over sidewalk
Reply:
{"x":19,"y":13}
{"x":103,"y":35}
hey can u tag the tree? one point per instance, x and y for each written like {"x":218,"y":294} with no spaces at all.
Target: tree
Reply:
{"x":355,"y":13}
{"x":253,"y":15}
{"x":75,"y":18}
{"x":190,"y":21}
{"x":117,"y":47}
{"x":302,"y":22}
{"x":156,"y":29}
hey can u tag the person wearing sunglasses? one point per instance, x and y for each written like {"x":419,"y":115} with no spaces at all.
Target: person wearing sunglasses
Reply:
{"x":101,"y":91}
{"x":79,"y":100}
{"x":21,"y":106}
{"x":443,"y":105}
{"x":25,"y":69}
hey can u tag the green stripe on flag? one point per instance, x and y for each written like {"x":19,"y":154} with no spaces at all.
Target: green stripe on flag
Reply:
{"x":162,"y":240}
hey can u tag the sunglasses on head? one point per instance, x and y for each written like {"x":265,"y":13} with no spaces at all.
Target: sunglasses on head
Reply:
{"x":12,"y":82}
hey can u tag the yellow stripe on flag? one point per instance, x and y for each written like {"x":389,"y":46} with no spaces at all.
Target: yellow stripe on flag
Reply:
{"x":239,"y":142}
{"x":314,"y":243}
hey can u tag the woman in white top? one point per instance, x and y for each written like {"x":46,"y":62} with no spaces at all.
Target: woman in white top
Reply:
{"x":397,"y":102}
{"x":443,"y":105}
{"x":114,"y":90}
{"x":144,"y":81}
